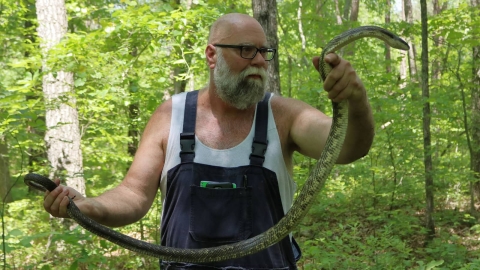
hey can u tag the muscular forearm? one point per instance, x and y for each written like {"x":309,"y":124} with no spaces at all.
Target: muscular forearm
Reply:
{"x":360,"y":131}
{"x":113,"y":209}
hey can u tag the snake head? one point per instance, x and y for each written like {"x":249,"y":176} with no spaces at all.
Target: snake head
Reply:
{"x":39,"y":182}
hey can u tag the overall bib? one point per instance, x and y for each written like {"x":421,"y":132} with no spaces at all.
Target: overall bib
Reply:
{"x":197,"y":216}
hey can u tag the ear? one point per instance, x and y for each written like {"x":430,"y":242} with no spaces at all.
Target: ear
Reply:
{"x":211,"y":55}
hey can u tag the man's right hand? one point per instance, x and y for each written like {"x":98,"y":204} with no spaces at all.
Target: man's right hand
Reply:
{"x":56,"y":201}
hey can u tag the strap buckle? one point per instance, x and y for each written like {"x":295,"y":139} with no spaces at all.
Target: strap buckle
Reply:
{"x":187,"y":142}
{"x":258,"y":150}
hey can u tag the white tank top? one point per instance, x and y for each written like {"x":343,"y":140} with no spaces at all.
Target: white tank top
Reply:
{"x":232,"y":157}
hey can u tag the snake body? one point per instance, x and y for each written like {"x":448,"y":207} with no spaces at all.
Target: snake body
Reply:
{"x":305,"y":199}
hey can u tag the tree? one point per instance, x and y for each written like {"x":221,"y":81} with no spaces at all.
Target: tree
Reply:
{"x":475,"y":90}
{"x":438,"y":41}
{"x":4,"y":171}
{"x":412,"y":53}
{"x":388,"y":56}
{"x":63,"y":134}
{"x":266,"y":13}
{"x":355,"y":10}
{"x":427,"y":145}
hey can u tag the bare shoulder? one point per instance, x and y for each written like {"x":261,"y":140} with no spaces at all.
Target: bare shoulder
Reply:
{"x":150,"y":155}
{"x":158,"y":127}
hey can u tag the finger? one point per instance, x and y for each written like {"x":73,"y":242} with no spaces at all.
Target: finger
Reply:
{"x":333,"y":77}
{"x":55,"y":206}
{"x":342,"y":95}
{"x":332,"y":59}
{"x":340,"y":90}
{"x":63,"y":206}
{"x":50,"y":196}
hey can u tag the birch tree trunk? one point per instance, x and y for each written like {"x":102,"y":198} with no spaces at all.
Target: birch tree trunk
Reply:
{"x":403,"y":63}
{"x":62,"y":137}
{"x":388,"y":56}
{"x":337,"y":13}
{"x":412,"y":52}
{"x":266,"y":13}
{"x":301,"y":33}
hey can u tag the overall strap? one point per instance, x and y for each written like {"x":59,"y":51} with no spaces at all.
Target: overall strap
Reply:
{"x":187,"y":137}
{"x":260,"y":142}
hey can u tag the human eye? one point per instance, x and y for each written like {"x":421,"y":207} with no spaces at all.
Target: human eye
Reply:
{"x":248,"y":51}
{"x":248,"y":48}
{"x":264,"y":50}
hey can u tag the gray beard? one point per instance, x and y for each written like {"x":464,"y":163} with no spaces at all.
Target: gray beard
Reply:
{"x":237,"y":89}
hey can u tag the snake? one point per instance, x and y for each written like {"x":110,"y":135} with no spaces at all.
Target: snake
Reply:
{"x":306,"y":197}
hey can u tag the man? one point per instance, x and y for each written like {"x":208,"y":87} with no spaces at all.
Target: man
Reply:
{"x":224,"y":154}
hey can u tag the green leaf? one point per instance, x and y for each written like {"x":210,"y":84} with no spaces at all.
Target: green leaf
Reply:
{"x":79,"y":82}
{"x":179,"y":61}
{"x":74,"y":265}
{"x":433,"y":264}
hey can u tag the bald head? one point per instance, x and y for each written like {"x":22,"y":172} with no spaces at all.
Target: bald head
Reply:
{"x":231,"y":25}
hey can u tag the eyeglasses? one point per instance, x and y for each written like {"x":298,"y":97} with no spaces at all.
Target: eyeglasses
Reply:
{"x":249,"y":52}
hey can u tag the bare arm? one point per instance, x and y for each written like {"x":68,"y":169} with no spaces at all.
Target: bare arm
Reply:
{"x":310,"y":127}
{"x":131,"y":200}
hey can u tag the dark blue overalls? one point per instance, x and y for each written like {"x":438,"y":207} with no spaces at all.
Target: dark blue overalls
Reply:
{"x":200,"y":217}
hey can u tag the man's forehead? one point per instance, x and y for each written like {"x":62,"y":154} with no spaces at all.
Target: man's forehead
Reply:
{"x":239,"y":28}
{"x":245,"y":37}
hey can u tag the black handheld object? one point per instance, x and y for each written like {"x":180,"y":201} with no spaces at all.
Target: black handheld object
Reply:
{"x":39,"y":182}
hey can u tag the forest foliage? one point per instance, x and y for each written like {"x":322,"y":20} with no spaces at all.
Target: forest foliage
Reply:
{"x":370,"y":214}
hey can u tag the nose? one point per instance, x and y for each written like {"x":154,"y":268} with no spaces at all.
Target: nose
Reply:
{"x":259,"y":61}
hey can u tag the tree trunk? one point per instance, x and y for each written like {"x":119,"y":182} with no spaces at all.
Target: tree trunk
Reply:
{"x":346,"y":9}
{"x":355,"y":8}
{"x":133,"y":133}
{"x":403,"y":64}
{"x":438,"y":41}
{"x":388,"y":57}
{"x":266,"y":13}
{"x":412,"y":53}
{"x":475,"y":126}
{"x":430,"y":226}
{"x":5,"y":180}
{"x":319,"y":35}
{"x":63,"y":135}
{"x":337,"y":13}
{"x":301,"y":33}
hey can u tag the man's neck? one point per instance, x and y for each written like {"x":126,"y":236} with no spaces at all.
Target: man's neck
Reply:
{"x":209,"y":99}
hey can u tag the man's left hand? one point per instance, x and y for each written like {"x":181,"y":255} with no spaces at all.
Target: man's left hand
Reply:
{"x":342,"y":83}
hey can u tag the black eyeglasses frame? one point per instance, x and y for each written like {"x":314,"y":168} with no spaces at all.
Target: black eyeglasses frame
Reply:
{"x":241,"y":47}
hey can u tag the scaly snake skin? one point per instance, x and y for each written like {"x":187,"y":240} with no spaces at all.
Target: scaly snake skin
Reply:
{"x":305,"y":199}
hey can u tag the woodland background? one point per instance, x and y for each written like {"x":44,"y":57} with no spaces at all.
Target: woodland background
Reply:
{"x":75,"y":96}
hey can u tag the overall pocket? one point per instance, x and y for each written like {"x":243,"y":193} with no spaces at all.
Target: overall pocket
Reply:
{"x":220,"y":215}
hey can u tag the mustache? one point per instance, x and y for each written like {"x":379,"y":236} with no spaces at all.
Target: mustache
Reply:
{"x":255,"y":71}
